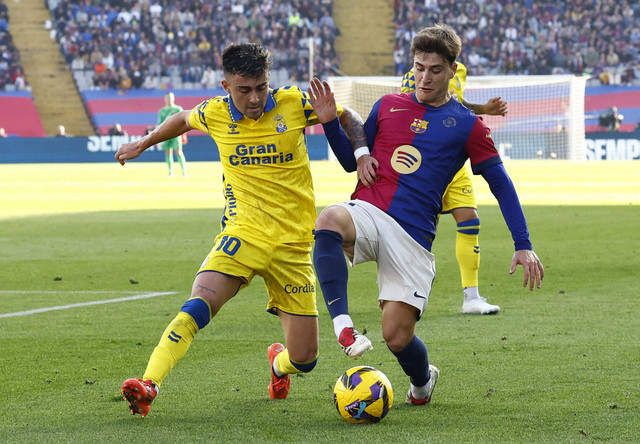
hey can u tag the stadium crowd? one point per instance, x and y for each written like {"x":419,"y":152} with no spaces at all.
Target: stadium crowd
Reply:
{"x":134,"y":43}
{"x":11,"y":72}
{"x":596,"y":37}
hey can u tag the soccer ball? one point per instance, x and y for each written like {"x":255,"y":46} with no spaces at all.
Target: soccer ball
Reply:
{"x":363,"y":395}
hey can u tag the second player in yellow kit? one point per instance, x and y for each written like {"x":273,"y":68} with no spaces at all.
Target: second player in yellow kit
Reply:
{"x":459,"y":200}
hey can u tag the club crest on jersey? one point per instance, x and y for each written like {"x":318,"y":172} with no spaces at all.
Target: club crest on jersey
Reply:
{"x":281,"y":127}
{"x":419,"y":126}
{"x":233,"y":129}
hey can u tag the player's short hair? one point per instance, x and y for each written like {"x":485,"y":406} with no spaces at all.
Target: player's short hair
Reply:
{"x":440,"y":39}
{"x":246,"y":59}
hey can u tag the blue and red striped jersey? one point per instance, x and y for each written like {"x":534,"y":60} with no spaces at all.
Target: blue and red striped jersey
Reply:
{"x":420,"y":148}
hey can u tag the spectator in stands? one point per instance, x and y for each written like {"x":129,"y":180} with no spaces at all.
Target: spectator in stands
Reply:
{"x":117,"y":130}
{"x":208,"y":80}
{"x":151,"y":81}
{"x":18,"y":78}
{"x":125,"y":80}
{"x":62,"y":132}
{"x":612,"y":56}
{"x":611,"y":119}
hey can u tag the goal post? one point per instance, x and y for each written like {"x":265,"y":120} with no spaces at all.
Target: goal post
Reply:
{"x":545,"y":118}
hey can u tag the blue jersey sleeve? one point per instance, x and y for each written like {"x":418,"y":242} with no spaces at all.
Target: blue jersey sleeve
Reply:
{"x":340,"y":145}
{"x":502,"y":188}
{"x":371,"y":125}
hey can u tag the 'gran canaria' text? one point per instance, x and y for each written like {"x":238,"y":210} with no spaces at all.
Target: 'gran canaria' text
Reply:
{"x":258,"y":155}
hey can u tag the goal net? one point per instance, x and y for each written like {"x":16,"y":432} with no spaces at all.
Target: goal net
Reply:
{"x":545,"y":118}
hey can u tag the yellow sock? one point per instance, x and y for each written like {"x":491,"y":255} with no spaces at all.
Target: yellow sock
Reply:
{"x":468,"y":256}
{"x":286,"y":366}
{"x":172,"y":347}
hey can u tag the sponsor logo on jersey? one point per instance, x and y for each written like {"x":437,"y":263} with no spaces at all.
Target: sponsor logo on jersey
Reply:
{"x":419,"y":126}
{"x":258,"y":155}
{"x":231,"y":201}
{"x":406,"y":159}
{"x":281,"y":127}
{"x":393,"y":110}
{"x":233,"y":129}
{"x":449,"y":122}
{"x":295,"y":289}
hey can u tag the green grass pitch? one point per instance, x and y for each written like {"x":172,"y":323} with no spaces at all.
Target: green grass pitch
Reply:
{"x":96,"y":259}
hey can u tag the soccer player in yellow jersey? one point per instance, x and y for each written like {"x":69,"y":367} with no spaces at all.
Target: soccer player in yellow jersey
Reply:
{"x":460,"y":200}
{"x":267,"y":223}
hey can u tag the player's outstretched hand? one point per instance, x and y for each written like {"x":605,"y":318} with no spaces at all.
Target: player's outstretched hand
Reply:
{"x":533,"y":269}
{"x":129,"y":150}
{"x":496,"y":107}
{"x":322,"y":100}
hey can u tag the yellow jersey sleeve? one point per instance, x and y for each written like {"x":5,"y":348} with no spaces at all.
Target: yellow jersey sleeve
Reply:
{"x":459,"y":81}
{"x":408,"y":82}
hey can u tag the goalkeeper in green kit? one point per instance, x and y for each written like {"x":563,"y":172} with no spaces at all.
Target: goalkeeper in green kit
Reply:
{"x":175,"y":144}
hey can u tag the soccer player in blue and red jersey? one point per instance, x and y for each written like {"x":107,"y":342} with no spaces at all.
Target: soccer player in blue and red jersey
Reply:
{"x":420,"y":141}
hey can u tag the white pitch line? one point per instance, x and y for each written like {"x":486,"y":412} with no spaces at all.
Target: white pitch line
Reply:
{"x":82,"y":304}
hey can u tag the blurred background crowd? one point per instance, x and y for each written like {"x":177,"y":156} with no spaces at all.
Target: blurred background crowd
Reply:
{"x":139,"y":43}
{"x":11,"y":72}
{"x":499,"y":37}
{"x":135,"y":44}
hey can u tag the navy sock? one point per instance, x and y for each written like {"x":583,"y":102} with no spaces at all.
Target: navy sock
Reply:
{"x":332,"y":271}
{"x":414,"y":360}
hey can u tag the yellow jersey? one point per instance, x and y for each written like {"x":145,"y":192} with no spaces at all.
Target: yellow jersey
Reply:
{"x":266,"y":174}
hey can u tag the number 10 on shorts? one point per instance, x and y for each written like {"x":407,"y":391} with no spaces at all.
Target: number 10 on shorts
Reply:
{"x":229,"y":245}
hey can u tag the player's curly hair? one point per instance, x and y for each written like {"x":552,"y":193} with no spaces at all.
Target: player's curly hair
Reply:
{"x":440,"y":39}
{"x":246,"y":59}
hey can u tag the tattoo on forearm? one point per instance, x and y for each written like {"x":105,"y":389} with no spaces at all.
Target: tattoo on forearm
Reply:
{"x":354,"y":128}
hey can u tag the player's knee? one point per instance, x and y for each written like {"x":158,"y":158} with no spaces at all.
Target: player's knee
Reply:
{"x":331,"y":218}
{"x":471,"y":226}
{"x":338,"y":219}
{"x":199,"y":310}
{"x":397,"y":338}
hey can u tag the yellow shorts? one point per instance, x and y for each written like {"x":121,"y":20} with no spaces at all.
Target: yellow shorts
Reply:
{"x":287,"y":270}
{"x":459,"y":193}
